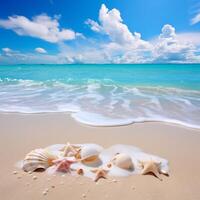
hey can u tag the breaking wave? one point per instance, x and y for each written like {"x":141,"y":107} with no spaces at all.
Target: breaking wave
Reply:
{"x":102,"y":102}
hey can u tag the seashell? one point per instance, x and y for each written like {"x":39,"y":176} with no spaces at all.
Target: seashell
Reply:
{"x":89,"y":154}
{"x":109,"y":165}
{"x":123,"y":161}
{"x":80,"y":171}
{"x":38,"y":159}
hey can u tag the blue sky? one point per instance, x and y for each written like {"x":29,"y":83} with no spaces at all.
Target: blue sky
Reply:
{"x":113,"y":31}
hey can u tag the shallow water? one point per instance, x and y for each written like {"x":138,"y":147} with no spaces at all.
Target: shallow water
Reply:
{"x":105,"y":95}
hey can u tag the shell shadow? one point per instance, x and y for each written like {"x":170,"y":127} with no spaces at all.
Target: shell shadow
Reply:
{"x":39,"y":170}
{"x":152,"y":174}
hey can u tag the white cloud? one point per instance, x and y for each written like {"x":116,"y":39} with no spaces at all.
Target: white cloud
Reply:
{"x":94,"y":25}
{"x":121,"y":45}
{"x":16,"y":57}
{"x":169,"y":47}
{"x":41,"y":26}
{"x":112,"y":25}
{"x":6,"y":50}
{"x":40,"y":50}
{"x":128,"y":47}
{"x":195,"y":19}
{"x":168,"y":31}
{"x":190,"y":37}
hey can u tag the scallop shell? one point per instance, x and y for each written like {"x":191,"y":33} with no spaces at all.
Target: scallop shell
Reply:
{"x":89,"y":154}
{"x":38,"y":159}
{"x":123,"y":161}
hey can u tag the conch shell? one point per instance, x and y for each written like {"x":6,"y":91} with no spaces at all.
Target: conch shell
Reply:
{"x":123,"y":161}
{"x":89,"y":154}
{"x":38,"y":159}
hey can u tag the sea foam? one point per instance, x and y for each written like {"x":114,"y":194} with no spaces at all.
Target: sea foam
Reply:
{"x":100,"y":103}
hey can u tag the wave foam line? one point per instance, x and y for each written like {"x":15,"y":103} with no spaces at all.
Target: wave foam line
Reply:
{"x":94,"y":119}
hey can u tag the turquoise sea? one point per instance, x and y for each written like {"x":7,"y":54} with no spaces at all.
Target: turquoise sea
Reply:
{"x":105,"y":95}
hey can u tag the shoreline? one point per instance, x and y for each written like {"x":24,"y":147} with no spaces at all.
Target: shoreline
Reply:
{"x":21,"y":133}
{"x":69,"y":115}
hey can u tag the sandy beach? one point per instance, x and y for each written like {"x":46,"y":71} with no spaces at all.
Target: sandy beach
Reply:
{"x":21,"y":133}
{"x":99,"y":101}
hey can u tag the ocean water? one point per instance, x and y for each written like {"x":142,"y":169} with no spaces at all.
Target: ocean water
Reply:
{"x":105,"y":95}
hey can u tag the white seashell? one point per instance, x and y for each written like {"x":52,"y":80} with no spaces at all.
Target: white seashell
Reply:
{"x":37,"y":159}
{"x":89,"y":154}
{"x":123,"y":161}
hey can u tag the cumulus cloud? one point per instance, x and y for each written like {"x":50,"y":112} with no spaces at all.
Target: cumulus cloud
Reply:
{"x":124,"y":46}
{"x":170,"y":48}
{"x":121,"y":45}
{"x":167,"y":47}
{"x":112,"y":25}
{"x":94,"y":25}
{"x":40,"y":50}
{"x":168,"y":31}
{"x":190,"y":37}
{"x":195,"y":19}
{"x":128,"y":47}
{"x":40,"y":26}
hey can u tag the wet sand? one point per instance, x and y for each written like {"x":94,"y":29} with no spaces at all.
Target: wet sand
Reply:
{"x":21,"y":133}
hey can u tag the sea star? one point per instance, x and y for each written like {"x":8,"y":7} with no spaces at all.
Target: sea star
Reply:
{"x":100,"y":173}
{"x":71,"y":150}
{"x":63,"y":164}
{"x":151,"y":167}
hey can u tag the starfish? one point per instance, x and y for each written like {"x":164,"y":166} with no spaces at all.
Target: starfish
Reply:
{"x":71,"y":150}
{"x":100,"y":173}
{"x":63,"y":164}
{"x":151,"y":167}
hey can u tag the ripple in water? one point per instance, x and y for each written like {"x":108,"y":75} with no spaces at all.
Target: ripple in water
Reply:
{"x":101,"y":103}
